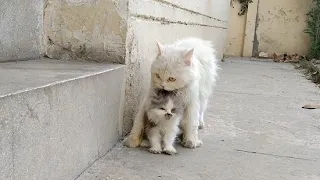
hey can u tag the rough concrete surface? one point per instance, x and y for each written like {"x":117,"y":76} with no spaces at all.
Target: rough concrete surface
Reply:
{"x":281,"y":25}
{"x":56,"y":118}
{"x":20,"y":29}
{"x":255,"y":129}
{"x":93,"y":30}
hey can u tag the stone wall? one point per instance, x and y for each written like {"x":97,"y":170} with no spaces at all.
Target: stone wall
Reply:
{"x":93,"y":30}
{"x":20,"y":29}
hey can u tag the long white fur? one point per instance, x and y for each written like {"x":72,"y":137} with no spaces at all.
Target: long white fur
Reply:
{"x":193,"y":64}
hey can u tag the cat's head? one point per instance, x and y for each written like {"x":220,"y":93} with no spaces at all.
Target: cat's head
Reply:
{"x":165,"y":105}
{"x":172,"y":68}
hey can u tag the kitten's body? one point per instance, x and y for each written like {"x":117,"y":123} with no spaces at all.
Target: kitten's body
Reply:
{"x":188,"y":67}
{"x":164,"y":111}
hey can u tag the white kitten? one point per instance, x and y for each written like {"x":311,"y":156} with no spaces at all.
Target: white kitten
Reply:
{"x":189,"y":67}
{"x":164,"y":110}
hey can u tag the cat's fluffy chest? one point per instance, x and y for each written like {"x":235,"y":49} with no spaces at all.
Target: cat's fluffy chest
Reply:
{"x":163,"y":126}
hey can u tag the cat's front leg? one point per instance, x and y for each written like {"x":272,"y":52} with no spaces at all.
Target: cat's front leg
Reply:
{"x":190,"y":125}
{"x":168,"y":141}
{"x":135,"y":137}
{"x":145,"y":143}
{"x":154,"y":137}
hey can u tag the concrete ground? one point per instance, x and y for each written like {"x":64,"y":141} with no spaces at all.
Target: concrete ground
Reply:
{"x":255,"y":130}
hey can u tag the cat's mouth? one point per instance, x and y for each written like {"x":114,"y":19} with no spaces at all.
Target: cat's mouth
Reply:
{"x":164,"y":88}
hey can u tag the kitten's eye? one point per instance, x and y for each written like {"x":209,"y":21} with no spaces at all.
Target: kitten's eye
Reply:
{"x":173,"y":110}
{"x":162,"y":109}
{"x":171,"y":79}
{"x":158,"y":76}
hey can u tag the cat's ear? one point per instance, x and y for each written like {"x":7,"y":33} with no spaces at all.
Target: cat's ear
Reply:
{"x":160,"y":48}
{"x":187,"y":57}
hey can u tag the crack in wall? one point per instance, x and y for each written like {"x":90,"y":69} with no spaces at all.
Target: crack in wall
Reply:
{"x":188,"y":10}
{"x":42,"y":38}
{"x":255,"y":49}
{"x":164,"y":21}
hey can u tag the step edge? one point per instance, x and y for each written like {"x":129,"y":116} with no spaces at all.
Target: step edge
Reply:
{"x":62,"y":81}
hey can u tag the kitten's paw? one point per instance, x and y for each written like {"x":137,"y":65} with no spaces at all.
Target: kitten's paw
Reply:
{"x":201,"y":125}
{"x":145,"y":143}
{"x":155,"y":150}
{"x":192,"y":144}
{"x":170,"y":150}
{"x":132,"y":141}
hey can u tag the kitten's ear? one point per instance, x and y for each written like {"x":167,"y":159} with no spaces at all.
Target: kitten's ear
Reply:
{"x":160,"y":48}
{"x":187,"y":57}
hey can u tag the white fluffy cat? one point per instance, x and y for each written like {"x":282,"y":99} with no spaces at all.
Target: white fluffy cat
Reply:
{"x":189,"y":67}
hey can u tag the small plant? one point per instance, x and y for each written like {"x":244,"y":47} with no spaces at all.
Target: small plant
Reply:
{"x":311,"y":70}
{"x":244,"y":6}
{"x":313,"y":30}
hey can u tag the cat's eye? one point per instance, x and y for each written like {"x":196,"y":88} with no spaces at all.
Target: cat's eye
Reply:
{"x":171,"y":79}
{"x":158,"y":76}
{"x":162,"y":109}
{"x":173,"y":110}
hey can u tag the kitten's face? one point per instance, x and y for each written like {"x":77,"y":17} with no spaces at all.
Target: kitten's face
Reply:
{"x":166,"y":111}
{"x":172,"y":69}
{"x":165,"y":105}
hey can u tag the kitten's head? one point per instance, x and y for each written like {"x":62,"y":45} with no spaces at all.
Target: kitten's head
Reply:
{"x":173,"y":68}
{"x":165,"y":105}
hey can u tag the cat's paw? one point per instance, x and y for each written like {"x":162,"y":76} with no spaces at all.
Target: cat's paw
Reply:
{"x":201,"y":125}
{"x":155,"y":150}
{"x":170,"y":150}
{"x":145,"y":143}
{"x":132,"y":141}
{"x":192,"y":144}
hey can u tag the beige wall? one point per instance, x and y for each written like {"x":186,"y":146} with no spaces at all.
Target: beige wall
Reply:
{"x":277,"y":25}
{"x":281,"y":24}
{"x":236,"y":30}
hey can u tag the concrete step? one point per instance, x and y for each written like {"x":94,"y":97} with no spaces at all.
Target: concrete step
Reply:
{"x":57,"y":117}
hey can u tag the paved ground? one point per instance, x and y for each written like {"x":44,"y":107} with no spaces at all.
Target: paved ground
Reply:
{"x":256,"y":130}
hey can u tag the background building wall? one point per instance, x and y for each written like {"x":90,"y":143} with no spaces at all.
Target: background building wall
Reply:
{"x":270,"y":26}
{"x":236,"y":31}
